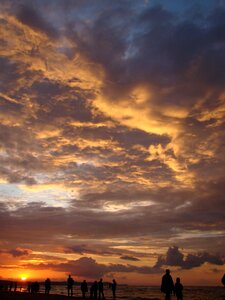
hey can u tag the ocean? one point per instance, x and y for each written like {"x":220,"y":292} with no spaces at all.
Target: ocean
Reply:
{"x":148,"y":293}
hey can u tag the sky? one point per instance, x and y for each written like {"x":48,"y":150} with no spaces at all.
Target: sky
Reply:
{"x":112,"y":140}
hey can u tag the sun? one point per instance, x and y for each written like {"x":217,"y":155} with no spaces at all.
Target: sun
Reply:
{"x":23,"y":278}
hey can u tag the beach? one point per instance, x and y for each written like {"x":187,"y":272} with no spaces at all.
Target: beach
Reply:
{"x":37,"y":296}
{"x":124,"y":293}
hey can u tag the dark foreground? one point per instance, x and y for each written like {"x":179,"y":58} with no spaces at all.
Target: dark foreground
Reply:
{"x":39,"y":296}
{"x":28,"y":296}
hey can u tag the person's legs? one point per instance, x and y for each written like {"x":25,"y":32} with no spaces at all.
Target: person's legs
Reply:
{"x":70,"y":293}
{"x":167,"y":297}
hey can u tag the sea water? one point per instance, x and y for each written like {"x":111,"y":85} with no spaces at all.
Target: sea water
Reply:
{"x":146,"y":293}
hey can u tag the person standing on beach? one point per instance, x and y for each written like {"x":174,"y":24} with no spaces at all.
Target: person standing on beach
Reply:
{"x":47,"y":286}
{"x":94,"y":291}
{"x":114,"y":285}
{"x":70,"y":283}
{"x":167,"y":286}
{"x":100,"y":289}
{"x":84,"y":289}
{"x":178,"y":289}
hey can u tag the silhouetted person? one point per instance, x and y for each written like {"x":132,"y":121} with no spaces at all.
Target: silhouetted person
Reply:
{"x":91,"y":291}
{"x":94,"y":291}
{"x":47,"y":286}
{"x":178,"y":289}
{"x":10,"y":286}
{"x":223,"y":280}
{"x":15,"y":286}
{"x":70,"y":283}
{"x":114,"y":285}
{"x":84,"y":288}
{"x":100,"y":289}
{"x":29,"y":287}
{"x":167,"y":286}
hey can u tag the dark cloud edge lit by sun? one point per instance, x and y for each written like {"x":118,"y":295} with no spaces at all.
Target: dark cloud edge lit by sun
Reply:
{"x":112,"y":139}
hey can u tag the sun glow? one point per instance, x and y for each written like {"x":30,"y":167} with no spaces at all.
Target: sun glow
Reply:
{"x":23,"y":278}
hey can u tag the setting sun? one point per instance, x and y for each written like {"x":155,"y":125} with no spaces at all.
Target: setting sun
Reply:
{"x":23,"y":278}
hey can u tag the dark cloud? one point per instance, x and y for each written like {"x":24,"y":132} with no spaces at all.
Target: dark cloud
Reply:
{"x":30,"y":16}
{"x":20,"y":252}
{"x":89,"y":268}
{"x":126,"y":257}
{"x":174,"y":257}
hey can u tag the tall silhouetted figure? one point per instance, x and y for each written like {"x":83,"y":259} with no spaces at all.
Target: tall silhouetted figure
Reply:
{"x":178,"y":289}
{"x":167,"y":286}
{"x":114,"y":285}
{"x":84,"y":289}
{"x":70,"y":283}
{"x":15,"y":286}
{"x":10,"y":286}
{"x":29,"y":287}
{"x":100,"y":289}
{"x":223,"y":280}
{"x":94,"y":291}
{"x":47,"y":286}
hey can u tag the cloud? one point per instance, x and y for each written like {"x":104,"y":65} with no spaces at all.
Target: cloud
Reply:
{"x":126,"y":257}
{"x":17,"y":252}
{"x":20,"y":252}
{"x":174,"y":257}
{"x":29,"y":16}
{"x":88,"y":267}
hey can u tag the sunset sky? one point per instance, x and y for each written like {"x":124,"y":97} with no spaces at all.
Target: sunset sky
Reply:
{"x":112,"y":140}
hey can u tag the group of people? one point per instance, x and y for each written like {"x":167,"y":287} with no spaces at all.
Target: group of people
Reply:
{"x":168,"y":287}
{"x":33,"y":287}
{"x":96,"y":289}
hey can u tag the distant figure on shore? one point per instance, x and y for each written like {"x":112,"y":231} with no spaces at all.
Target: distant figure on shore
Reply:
{"x":70,"y":283}
{"x":10,"y":286}
{"x":114,"y":285}
{"x":47,"y":286}
{"x":167,"y":286}
{"x":178,"y":289}
{"x":100,"y":289}
{"x":94,"y":291}
{"x":15,"y":286}
{"x":223,"y":280}
{"x":29,"y":286}
{"x":84,"y":289}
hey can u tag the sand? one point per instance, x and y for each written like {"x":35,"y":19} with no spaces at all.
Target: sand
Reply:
{"x":38,"y":296}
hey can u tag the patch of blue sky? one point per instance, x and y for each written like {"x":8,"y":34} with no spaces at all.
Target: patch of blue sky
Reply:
{"x":10,"y":190}
{"x":13,"y":196}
